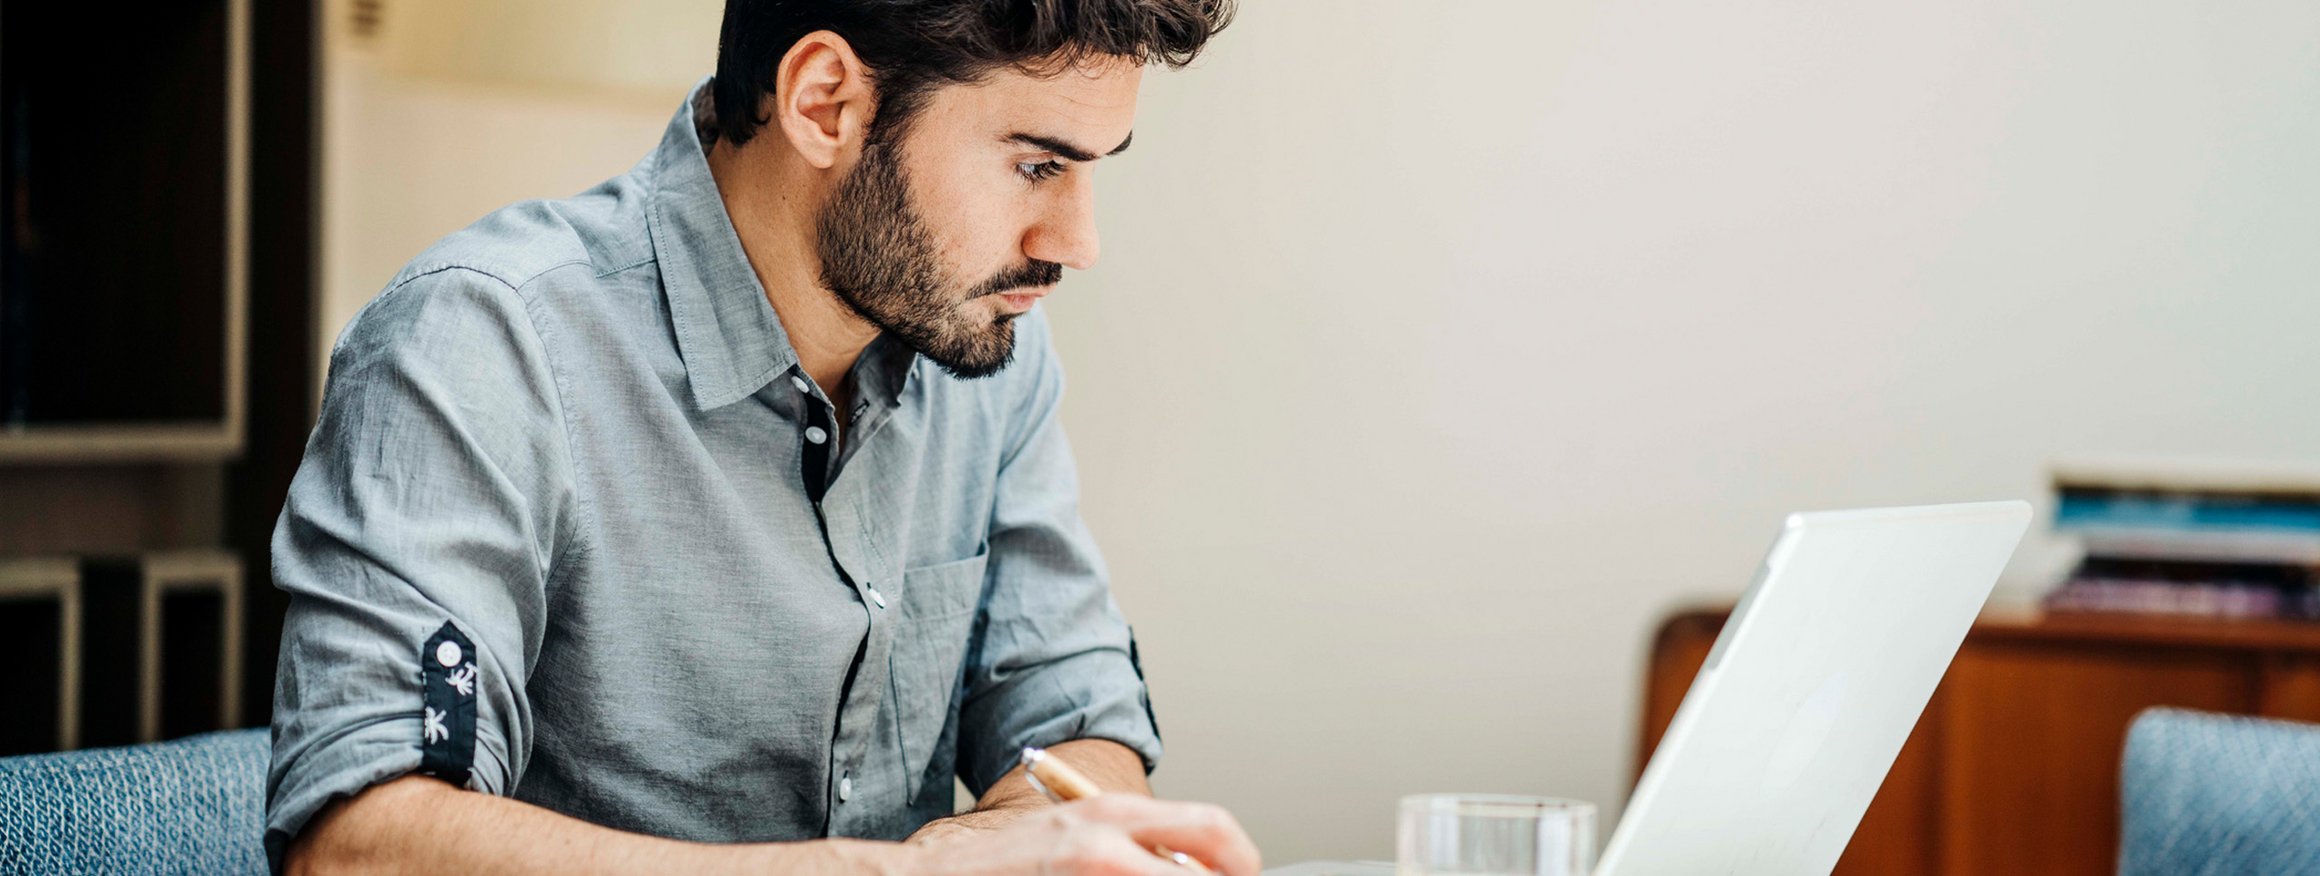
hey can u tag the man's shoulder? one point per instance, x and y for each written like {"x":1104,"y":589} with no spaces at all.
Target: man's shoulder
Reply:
{"x":493,"y":269}
{"x":596,"y":233}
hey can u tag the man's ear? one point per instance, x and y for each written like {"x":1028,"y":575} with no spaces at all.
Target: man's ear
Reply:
{"x":823,"y":99}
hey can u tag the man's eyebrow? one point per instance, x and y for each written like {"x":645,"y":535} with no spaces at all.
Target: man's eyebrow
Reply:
{"x":1067,"y":150}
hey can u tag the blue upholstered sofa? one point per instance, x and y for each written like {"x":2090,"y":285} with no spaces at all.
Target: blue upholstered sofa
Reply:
{"x":192,"y":805}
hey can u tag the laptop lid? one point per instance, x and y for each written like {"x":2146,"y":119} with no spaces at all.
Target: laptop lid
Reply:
{"x":1811,"y":689}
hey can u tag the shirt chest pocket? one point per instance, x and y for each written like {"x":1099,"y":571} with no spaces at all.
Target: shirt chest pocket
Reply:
{"x":930,"y":645}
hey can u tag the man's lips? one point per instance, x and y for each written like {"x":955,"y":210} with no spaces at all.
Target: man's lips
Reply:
{"x":1021,"y":300}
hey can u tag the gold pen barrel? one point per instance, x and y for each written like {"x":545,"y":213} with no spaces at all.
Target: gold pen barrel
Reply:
{"x":1058,"y":777}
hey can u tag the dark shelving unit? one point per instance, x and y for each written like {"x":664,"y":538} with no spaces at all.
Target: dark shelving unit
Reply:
{"x":123,"y":231}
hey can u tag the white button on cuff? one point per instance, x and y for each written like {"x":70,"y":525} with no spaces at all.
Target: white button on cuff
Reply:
{"x":875,"y":597}
{"x":448,"y":654}
{"x":800,"y":383}
{"x":816,"y":435}
{"x":845,"y":788}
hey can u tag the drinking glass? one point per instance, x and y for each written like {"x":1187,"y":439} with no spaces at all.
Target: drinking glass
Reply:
{"x":1494,"y":835}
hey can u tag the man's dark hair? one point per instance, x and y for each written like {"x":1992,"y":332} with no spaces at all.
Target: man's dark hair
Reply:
{"x":914,"y":46}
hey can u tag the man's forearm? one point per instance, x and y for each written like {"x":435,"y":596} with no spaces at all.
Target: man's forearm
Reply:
{"x":421,"y":825}
{"x":1116,"y":768}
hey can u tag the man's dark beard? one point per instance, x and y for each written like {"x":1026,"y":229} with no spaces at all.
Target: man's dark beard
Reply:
{"x":881,"y":260}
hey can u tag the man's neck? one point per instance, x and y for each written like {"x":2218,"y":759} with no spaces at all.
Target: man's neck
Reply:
{"x":772,"y":208}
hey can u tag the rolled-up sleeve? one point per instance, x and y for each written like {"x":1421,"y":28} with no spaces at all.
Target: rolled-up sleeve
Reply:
{"x":435,"y":490}
{"x":1053,"y":658}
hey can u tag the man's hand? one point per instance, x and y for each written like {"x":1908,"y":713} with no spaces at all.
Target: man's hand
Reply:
{"x":1115,"y":768}
{"x":416,"y":824}
{"x":1111,"y":834}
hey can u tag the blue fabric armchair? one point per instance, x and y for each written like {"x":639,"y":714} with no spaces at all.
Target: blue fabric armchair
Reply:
{"x":193,"y":805}
{"x":2216,"y":794}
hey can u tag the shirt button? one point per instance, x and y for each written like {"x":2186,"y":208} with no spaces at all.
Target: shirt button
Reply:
{"x":816,"y":435}
{"x":845,"y":788}
{"x":800,"y":383}
{"x":875,"y":597}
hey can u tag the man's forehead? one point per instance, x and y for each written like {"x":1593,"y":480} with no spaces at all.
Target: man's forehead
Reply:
{"x":1099,"y":81}
{"x":1090,"y":105}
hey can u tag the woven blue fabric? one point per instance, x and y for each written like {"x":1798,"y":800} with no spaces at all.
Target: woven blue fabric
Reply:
{"x":2216,"y":794}
{"x":192,"y":805}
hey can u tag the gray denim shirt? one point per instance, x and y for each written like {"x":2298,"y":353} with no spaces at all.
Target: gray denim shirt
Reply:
{"x":575,"y":432}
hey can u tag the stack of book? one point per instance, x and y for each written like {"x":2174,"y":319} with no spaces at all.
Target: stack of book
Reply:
{"x":2190,"y":539}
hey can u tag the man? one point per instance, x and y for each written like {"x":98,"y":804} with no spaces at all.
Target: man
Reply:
{"x":716,"y":518}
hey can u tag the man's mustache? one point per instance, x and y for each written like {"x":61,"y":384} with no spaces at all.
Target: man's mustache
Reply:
{"x":1036,"y":273}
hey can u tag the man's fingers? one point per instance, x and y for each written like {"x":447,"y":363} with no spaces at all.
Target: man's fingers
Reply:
{"x":1205,"y":832}
{"x":1208,"y":834}
{"x":1105,"y":851}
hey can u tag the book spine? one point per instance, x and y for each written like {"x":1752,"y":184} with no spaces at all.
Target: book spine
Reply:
{"x":2149,"y":597}
{"x":2186,"y":512}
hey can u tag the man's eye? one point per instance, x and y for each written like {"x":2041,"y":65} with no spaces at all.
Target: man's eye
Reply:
{"x":1037,"y":171}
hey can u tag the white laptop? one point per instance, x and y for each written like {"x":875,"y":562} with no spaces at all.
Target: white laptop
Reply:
{"x":1809,"y":692}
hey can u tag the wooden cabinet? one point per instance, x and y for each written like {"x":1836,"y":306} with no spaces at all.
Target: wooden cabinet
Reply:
{"x":2014,"y":766}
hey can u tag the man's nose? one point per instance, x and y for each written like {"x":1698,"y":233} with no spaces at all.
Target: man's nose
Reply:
{"x":1066,"y":234}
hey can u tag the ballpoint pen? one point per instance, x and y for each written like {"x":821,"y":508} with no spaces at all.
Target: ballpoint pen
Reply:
{"x":1061,"y":783}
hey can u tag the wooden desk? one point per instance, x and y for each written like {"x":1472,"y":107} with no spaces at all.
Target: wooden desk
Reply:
{"x":2014,"y":766}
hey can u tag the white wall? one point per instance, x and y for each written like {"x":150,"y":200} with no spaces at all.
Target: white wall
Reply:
{"x":1439,"y":349}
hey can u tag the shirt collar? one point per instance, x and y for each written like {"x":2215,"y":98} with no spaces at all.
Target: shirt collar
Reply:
{"x":727,"y":333}
{"x":886,"y":366}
